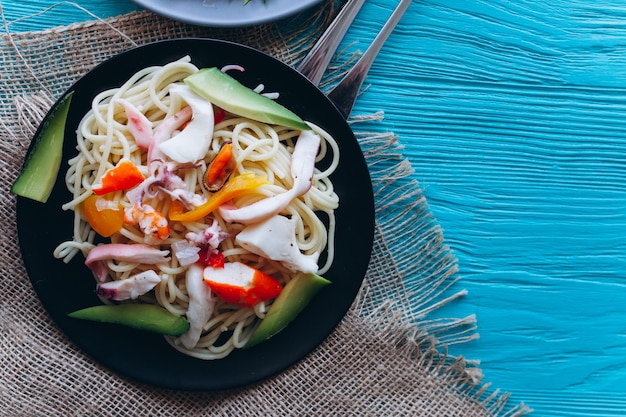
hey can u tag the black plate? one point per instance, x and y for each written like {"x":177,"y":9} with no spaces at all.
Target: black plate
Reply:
{"x":148,"y":358}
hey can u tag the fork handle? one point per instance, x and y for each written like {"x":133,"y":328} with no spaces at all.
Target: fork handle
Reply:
{"x":345,"y":92}
{"x":315,"y":63}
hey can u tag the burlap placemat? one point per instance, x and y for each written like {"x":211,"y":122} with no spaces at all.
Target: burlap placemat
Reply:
{"x":387,"y":357}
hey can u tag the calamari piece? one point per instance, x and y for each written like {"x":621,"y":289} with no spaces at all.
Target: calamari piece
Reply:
{"x":302,"y":168}
{"x":190,"y":249}
{"x":129,"y":288}
{"x":134,"y":253}
{"x":138,"y":125}
{"x":303,"y":161}
{"x":163,"y":132}
{"x":201,"y":305}
{"x":163,"y":179}
{"x":176,"y":188}
{"x":186,"y":252}
{"x":212,"y":235}
{"x":275,"y":238}
{"x":259,"y":211}
{"x":192,"y":143}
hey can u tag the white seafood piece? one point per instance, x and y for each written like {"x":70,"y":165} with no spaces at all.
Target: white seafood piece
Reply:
{"x":163,"y":132}
{"x":138,"y":125}
{"x":212,"y":235}
{"x":186,"y":252}
{"x":275,"y":238}
{"x":201,"y":305}
{"x":192,"y":143}
{"x":135,"y":253}
{"x":129,"y":288}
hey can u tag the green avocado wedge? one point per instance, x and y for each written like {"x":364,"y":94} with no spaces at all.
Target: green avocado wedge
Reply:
{"x":149,"y":317}
{"x":224,"y":91}
{"x":294,"y":297}
{"x":44,"y":160}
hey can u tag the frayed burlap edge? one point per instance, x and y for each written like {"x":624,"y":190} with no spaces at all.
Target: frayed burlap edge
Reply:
{"x":385,"y":358}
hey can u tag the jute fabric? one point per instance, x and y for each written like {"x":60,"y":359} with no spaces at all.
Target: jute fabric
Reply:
{"x":387,"y":357}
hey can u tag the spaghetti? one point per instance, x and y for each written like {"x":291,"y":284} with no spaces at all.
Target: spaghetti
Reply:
{"x":105,"y":137}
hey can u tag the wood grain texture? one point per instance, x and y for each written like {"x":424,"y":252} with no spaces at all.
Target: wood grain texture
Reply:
{"x":512,"y":114}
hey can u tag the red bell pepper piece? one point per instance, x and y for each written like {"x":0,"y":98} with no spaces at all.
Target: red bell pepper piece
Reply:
{"x":218,"y":114}
{"x":123,"y":176}
{"x":211,"y":258}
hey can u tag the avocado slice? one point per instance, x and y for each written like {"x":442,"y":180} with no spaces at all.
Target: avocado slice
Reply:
{"x":42,"y":164}
{"x":224,"y":91}
{"x":149,"y":317}
{"x":294,"y":297}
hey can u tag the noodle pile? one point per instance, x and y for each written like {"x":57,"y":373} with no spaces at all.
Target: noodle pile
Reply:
{"x":103,"y":139}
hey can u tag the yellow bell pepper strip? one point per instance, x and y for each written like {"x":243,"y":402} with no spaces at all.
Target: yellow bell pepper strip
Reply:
{"x":235,"y":187}
{"x":125,"y":175}
{"x":176,"y":210}
{"x":104,"y":216}
{"x":302,"y":170}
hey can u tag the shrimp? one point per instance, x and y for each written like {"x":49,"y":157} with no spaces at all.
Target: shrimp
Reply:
{"x":153,"y":224}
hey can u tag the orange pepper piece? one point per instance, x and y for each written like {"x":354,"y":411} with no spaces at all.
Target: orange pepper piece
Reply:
{"x":235,"y":187}
{"x":123,"y":176}
{"x":104,"y":216}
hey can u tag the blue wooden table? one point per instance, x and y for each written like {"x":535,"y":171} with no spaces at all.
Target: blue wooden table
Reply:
{"x":513,"y":115}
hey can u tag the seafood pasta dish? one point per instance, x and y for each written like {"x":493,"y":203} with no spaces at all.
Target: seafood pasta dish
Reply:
{"x":196,"y":202}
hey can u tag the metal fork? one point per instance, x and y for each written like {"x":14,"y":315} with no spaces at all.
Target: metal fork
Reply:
{"x":344,"y":94}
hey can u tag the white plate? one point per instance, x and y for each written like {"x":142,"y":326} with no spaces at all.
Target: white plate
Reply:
{"x":225,"y":13}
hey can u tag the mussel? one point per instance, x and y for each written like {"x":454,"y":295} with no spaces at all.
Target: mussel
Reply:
{"x":220,"y":168}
